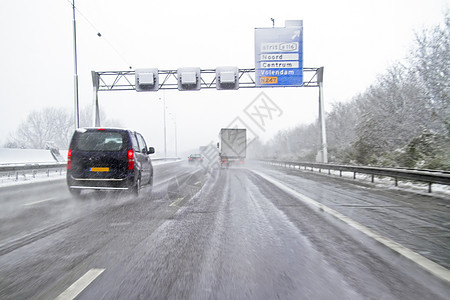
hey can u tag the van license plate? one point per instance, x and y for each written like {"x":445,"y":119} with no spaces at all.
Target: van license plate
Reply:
{"x":99,"y":169}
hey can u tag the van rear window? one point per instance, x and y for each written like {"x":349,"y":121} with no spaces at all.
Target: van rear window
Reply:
{"x":99,"y":141}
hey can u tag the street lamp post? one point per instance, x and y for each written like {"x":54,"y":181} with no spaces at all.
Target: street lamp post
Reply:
{"x":176,"y":139}
{"x":174,"y":119}
{"x":75,"y":77}
{"x":165,"y":137}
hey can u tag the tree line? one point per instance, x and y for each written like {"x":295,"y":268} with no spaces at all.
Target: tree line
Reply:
{"x":402,"y":120}
{"x":51,"y":128}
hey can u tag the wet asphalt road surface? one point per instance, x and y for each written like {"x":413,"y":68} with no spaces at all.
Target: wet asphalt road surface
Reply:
{"x":221,"y":234}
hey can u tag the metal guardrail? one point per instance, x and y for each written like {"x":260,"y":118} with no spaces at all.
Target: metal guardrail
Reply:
{"x":166,"y":158}
{"x":427,"y":176}
{"x":14,"y":171}
{"x":33,"y":166}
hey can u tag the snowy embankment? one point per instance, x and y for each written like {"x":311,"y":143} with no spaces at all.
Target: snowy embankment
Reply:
{"x":23,"y":157}
{"x":28,"y":156}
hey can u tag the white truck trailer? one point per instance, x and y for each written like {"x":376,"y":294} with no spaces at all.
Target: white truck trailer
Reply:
{"x":233,"y":146}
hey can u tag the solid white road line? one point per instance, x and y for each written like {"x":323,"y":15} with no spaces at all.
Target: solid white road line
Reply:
{"x":78,"y":286}
{"x":432,"y":267}
{"x":40,"y":201}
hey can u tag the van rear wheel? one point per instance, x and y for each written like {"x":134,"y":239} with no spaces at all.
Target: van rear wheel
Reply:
{"x":75,"y":192}
{"x":136,"y":188}
{"x":150,"y":183}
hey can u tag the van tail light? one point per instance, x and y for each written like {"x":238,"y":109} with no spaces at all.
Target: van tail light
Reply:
{"x":130,"y":159}
{"x":69,"y":159}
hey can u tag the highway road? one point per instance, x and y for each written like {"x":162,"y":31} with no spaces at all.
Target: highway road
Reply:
{"x":247,"y":232}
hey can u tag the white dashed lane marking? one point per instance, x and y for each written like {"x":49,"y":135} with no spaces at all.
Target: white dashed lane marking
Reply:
{"x":40,"y":201}
{"x":78,"y":286}
{"x":176,"y":202}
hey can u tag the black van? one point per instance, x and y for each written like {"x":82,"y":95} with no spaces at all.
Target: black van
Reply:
{"x":108,"y":159}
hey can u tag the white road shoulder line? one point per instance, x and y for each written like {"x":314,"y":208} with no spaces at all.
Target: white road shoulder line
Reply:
{"x":78,"y":286}
{"x":40,"y":201}
{"x":432,"y":267}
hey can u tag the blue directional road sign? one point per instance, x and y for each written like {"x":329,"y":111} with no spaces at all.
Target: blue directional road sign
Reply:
{"x":279,"y":55}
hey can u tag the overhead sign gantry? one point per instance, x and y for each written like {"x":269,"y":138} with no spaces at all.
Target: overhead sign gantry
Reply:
{"x":154,"y":79}
{"x":278,"y":63}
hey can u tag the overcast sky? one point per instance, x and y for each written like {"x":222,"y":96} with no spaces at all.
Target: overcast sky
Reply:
{"x":355,"y":40}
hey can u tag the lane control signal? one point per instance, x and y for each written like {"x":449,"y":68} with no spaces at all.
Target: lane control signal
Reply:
{"x":227,"y":78}
{"x":189,"y":79}
{"x":146,"y":80}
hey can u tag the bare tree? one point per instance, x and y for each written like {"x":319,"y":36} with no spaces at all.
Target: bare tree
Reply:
{"x":44,"y":126}
{"x":50,"y":125}
{"x":86,"y":118}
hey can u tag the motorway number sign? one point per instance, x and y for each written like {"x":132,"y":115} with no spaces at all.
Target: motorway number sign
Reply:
{"x":268,"y":80}
{"x":279,"y":55}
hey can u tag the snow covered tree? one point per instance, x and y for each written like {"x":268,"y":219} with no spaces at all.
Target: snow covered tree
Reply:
{"x":392,"y":112}
{"x":403,"y":119}
{"x":341,"y":125}
{"x":408,"y":106}
{"x":431,"y":67}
